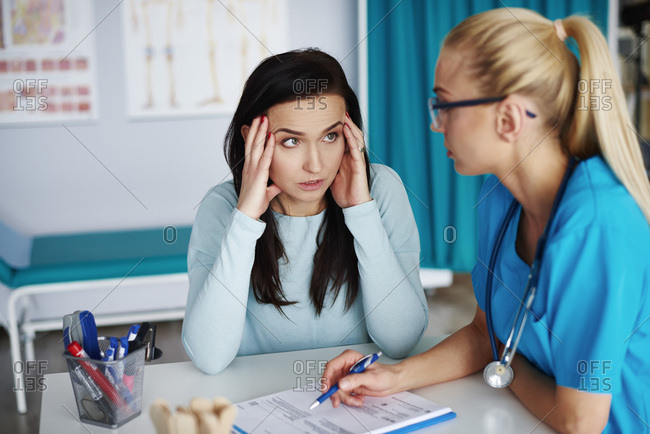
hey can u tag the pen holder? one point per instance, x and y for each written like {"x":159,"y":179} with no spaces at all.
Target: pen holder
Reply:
{"x":108,"y":394}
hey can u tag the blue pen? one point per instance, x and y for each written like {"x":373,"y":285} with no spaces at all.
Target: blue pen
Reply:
{"x":109,"y":354}
{"x":116,"y":381}
{"x":133,"y":332}
{"x":357,"y":368}
{"x":124,"y":348}
{"x":114,"y":344}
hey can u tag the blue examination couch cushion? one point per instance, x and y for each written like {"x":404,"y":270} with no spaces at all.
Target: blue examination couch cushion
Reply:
{"x":101,"y":255}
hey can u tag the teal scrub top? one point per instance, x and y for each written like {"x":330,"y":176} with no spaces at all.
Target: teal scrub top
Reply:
{"x":590,"y":321}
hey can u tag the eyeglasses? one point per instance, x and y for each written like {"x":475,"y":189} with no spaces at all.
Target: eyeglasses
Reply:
{"x":437,"y":108}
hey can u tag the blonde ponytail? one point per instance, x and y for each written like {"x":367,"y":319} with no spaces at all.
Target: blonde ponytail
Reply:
{"x":608,"y":123}
{"x":513,"y":50}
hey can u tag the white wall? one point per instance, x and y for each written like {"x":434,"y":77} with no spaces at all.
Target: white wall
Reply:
{"x":49,"y":183}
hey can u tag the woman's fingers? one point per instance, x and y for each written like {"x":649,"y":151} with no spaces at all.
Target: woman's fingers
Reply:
{"x":250,"y":137}
{"x":354,"y":138}
{"x":267,"y":154}
{"x":377,"y":380}
{"x":352,"y":390}
{"x":337,"y":370}
{"x":338,"y":367}
{"x":356,"y":131}
{"x":353,"y":143}
{"x":356,"y":382}
{"x":265,"y":163}
{"x":348,"y":399}
{"x":255,"y":193}
{"x":260,"y":138}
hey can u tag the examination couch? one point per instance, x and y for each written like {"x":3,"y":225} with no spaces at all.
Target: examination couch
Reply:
{"x":122,"y":277}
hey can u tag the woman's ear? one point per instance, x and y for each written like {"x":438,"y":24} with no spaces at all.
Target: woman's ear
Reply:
{"x":244,"y":131}
{"x":510,"y":118}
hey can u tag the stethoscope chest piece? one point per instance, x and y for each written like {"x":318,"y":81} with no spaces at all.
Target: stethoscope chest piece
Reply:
{"x":497,"y":374}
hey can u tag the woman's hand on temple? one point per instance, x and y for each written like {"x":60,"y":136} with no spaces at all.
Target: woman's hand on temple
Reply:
{"x":350,"y":187}
{"x":377,"y":380}
{"x":255,"y":194}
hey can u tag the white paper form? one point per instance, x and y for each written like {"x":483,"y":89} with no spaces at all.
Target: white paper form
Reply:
{"x":288,"y":413}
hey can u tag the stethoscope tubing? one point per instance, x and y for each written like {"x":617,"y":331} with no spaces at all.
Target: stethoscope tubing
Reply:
{"x":533,"y":278}
{"x":488,"y":286}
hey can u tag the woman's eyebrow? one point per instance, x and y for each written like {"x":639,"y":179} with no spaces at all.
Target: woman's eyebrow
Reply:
{"x":287,"y":130}
{"x":332,"y":126}
{"x":298,"y":133}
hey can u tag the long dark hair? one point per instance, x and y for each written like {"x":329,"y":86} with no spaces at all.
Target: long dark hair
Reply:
{"x":297,"y":75}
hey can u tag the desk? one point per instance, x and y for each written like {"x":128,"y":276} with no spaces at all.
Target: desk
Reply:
{"x":479,"y":407}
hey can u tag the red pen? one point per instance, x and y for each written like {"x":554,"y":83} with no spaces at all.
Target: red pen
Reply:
{"x":99,"y":378}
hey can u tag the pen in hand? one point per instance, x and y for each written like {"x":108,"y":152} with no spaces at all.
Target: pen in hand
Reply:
{"x":357,"y":368}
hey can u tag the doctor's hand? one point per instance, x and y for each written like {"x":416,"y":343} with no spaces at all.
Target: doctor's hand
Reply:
{"x":350,"y":187}
{"x":255,"y":194}
{"x":377,"y":380}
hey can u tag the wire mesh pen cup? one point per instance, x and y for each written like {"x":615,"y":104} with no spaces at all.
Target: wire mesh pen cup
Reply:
{"x":108,"y":394}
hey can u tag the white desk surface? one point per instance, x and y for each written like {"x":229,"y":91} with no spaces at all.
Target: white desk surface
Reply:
{"x":479,"y":408}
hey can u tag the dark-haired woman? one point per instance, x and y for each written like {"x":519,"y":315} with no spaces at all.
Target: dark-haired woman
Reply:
{"x":309,"y":245}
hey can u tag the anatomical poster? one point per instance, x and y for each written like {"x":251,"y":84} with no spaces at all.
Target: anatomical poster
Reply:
{"x":192,"y":57}
{"x":47,"y":61}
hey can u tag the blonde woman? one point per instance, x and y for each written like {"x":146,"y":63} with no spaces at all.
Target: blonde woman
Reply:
{"x":564,"y":241}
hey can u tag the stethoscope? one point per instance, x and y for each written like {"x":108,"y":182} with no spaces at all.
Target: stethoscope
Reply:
{"x":499,"y":373}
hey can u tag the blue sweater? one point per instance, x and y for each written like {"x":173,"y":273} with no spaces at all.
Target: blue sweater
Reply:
{"x":223,"y":319}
